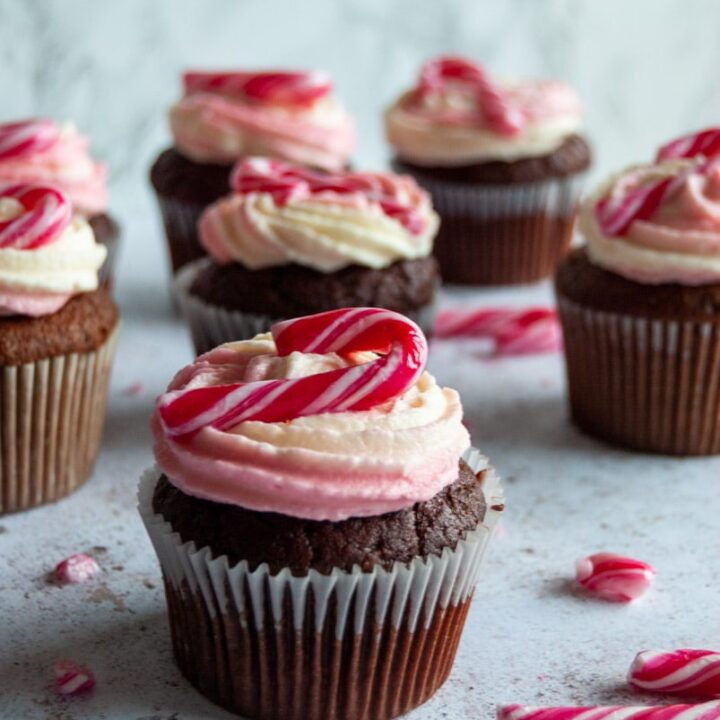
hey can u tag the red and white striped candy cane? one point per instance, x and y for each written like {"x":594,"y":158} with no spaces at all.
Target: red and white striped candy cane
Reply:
{"x":680,"y":672}
{"x":287,"y":182}
{"x":497,"y":112}
{"x":705,"y":142}
{"x":287,"y":88}
{"x":614,"y":577}
{"x":514,"y":331}
{"x":361,"y":387}
{"x":703,"y":711}
{"x":72,"y":678}
{"x":46,"y":213}
{"x":26,"y":137}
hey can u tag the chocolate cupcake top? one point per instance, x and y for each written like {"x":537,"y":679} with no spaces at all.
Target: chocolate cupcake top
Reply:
{"x":330,"y":416}
{"x":281,"y":214}
{"x":42,"y":152}
{"x":46,"y":255}
{"x":660,"y":222}
{"x":288,"y":115}
{"x":457,"y":114}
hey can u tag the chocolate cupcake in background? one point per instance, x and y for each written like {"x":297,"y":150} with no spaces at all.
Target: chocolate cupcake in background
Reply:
{"x":503,"y":161}
{"x":57,"y":341}
{"x":289,"y":241}
{"x":43,"y":152}
{"x":319,"y":549}
{"x":224,"y":117}
{"x":640,"y":305}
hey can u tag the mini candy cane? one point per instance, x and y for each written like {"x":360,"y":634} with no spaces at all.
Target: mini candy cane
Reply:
{"x":496,"y":111}
{"x":514,"y":331}
{"x":705,"y":142}
{"x":398,"y":197}
{"x":71,"y":678}
{"x":614,"y":577}
{"x":287,"y":88}
{"x":26,"y":137}
{"x":76,"y":569}
{"x":703,"y":711}
{"x":687,"y":672}
{"x":349,"y":330}
{"x":45,"y":214}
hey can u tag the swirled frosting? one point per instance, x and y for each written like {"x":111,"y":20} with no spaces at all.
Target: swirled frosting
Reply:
{"x":678,"y":243}
{"x":66,"y":165}
{"x":326,"y":230}
{"x":323,"y":467}
{"x":445,"y":128}
{"x":219,"y":127}
{"x":40,"y":281}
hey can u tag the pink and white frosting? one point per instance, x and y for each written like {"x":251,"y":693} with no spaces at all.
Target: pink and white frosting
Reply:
{"x":670,"y":232}
{"x":457,"y":114}
{"x":46,"y":256}
{"x":42,"y":152}
{"x":280,"y":214}
{"x":323,"y":440}
{"x":287,"y":115}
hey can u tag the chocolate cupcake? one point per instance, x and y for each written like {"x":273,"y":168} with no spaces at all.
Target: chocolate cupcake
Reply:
{"x":319,"y":547}
{"x":290,"y":241}
{"x":57,"y":340}
{"x":41,"y":152}
{"x":226,"y":116}
{"x":503,"y":160}
{"x":640,"y":306}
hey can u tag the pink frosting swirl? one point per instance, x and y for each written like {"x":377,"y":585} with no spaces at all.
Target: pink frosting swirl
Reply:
{"x":40,"y":152}
{"x":328,"y":466}
{"x":290,"y":116}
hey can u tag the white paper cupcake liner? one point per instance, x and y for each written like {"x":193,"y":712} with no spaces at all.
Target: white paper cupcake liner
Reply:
{"x":51,"y":419}
{"x":647,"y":384}
{"x":211,"y":325}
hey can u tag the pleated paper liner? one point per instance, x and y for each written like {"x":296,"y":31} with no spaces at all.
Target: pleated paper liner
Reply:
{"x":646,"y":384}
{"x":51,"y":419}
{"x":211,"y":325}
{"x":348,"y":645}
{"x":503,"y":234}
{"x":180,"y":223}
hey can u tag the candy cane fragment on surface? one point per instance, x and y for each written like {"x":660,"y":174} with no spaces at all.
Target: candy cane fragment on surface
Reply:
{"x":42,"y":214}
{"x":614,"y":577}
{"x":360,"y":387}
{"x":76,"y":569}
{"x":72,"y":678}
{"x":27,"y":137}
{"x":702,"y":711}
{"x":680,"y":672}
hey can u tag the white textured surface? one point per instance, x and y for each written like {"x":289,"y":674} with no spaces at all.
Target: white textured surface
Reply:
{"x":643,"y":68}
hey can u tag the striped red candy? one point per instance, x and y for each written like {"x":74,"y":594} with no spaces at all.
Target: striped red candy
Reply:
{"x":285,"y":88}
{"x":400,"y":343}
{"x":76,"y":569}
{"x":614,"y":577}
{"x":26,"y":137}
{"x":686,"y":672}
{"x":496,"y":111}
{"x":703,"y":711}
{"x":46,"y":213}
{"x":72,"y":678}
{"x":705,"y":142}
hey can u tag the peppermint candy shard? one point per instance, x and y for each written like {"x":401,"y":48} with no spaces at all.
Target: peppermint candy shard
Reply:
{"x":398,"y":340}
{"x":72,"y":678}
{"x":27,"y":137}
{"x":705,"y":143}
{"x":44,"y":213}
{"x":76,"y":569}
{"x":680,"y":672}
{"x":703,"y":711}
{"x":615,"y":578}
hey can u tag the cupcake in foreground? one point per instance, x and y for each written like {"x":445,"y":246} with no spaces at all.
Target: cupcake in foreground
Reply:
{"x":224,"y":117}
{"x":319,"y":519}
{"x":290,"y":241}
{"x":57,"y":339}
{"x":42,"y":152}
{"x":640,"y":304}
{"x":503,"y":160}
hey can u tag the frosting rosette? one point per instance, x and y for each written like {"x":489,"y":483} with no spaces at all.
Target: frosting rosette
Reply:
{"x":288,"y":115}
{"x":46,"y":256}
{"x":42,"y":152}
{"x":458,"y":115}
{"x":378,"y":436}
{"x":281,"y":214}
{"x":658,"y":223}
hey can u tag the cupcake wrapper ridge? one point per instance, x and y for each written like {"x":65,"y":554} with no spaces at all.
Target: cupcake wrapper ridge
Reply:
{"x":180,"y":222}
